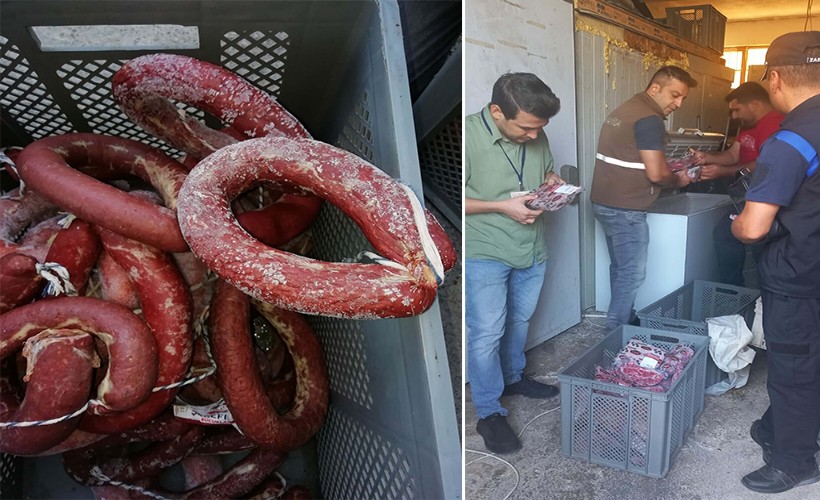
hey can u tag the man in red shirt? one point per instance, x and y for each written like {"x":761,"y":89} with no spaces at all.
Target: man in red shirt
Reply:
{"x":750,"y":105}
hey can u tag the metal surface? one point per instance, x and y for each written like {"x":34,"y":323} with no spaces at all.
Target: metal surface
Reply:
{"x":681,"y":247}
{"x":679,"y":144}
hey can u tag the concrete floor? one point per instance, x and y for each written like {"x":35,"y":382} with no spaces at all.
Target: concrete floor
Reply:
{"x":716,"y":454}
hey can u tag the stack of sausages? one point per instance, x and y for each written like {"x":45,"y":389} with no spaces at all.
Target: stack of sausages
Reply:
{"x":123,"y":272}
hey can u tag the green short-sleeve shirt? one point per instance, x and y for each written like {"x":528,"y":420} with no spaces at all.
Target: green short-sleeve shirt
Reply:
{"x":489,"y":176}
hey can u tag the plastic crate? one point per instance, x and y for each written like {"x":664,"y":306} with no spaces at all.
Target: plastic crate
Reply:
{"x":687,"y":309}
{"x":440,"y":159}
{"x":10,"y":476}
{"x":628,"y":428}
{"x":702,"y":24}
{"x":339,"y":67}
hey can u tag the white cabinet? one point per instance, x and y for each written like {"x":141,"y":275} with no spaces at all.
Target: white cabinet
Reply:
{"x":681,"y":247}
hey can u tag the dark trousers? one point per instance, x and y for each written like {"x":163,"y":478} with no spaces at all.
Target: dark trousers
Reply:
{"x":731,"y":253}
{"x":792,"y":421}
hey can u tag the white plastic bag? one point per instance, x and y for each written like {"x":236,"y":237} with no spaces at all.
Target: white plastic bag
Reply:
{"x":758,"y":340}
{"x":729,"y":339}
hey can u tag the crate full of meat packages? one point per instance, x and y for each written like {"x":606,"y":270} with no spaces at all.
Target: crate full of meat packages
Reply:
{"x":631,"y":400}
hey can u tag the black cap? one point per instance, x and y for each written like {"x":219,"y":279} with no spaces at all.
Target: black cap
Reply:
{"x":793,"y":49}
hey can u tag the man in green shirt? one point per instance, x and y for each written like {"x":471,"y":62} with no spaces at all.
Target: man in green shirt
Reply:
{"x":507,"y":155}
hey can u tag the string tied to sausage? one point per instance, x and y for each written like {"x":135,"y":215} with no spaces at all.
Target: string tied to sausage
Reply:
{"x":51,"y":421}
{"x":66,"y":220}
{"x":57,"y":276}
{"x":97,"y":474}
{"x":195,"y":374}
{"x":11,"y":167}
{"x":284,"y":484}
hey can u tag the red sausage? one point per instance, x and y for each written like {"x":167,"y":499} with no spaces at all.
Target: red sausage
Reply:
{"x":142,"y":88}
{"x":77,"y":439}
{"x":239,"y":380}
{"x":115,"y":285}
{"x":282,"y":220}
{"x":37,"y":240}
{"x":166,"y":308}
{"x":143,"y":85}
{"x":205,"y":391}
{"x":199,"y":469}
{"x":132,"y":351}
{"x":19,"y":280}
{"x":376,"y":202}
{"x":167,"y":450}
{"x":17,"y":212}
{"x":76,"y":248}
{"x":242,"y":477}
{"x":63,"y":358}
{"x":44,"y":166}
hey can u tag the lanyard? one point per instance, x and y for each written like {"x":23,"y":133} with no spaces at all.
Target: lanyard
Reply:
{"x":518,"y":174}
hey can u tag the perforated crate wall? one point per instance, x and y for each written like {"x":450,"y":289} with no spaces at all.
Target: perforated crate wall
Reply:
{"x":441,"y":169}
{"x":10,"y":476}
{"x":339,"y":67}
{"x":687,"y":309}
{"x":630,"y":428}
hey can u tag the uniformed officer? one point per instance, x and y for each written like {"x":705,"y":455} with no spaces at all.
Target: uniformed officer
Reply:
{"x":783,"y":210}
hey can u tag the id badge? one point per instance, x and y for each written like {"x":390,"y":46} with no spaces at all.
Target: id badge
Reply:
{"x":516,"y":194}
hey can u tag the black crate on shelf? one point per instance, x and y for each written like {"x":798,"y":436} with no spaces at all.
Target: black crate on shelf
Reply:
{"x":702,"y":24}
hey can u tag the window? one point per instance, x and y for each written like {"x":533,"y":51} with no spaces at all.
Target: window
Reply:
{"x":740,"y":59}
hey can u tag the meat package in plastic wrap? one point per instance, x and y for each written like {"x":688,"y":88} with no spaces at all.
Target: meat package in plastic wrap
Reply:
{"x":645,"y":366}
{"x":684,"y":163}
{"x":551,"y":197}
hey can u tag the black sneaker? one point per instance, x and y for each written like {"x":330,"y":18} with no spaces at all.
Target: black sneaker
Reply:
{"x":531,"y":389}
{"x":497,"y":434}
{"x":767,"y":479}
{"x":767,"y":447}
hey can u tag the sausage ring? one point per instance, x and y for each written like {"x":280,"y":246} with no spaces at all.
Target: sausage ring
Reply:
{"x":143,"y":85}
{"x":166,"y":308}
{"x":44,"y":166}
{"x":404,"y":286}
{"x":238,"y":376}
{"x":59,"y":356}
{"x":132,"y":351}
{"x":142,"y":88}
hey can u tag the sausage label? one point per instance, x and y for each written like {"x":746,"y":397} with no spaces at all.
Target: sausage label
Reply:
{"x":212,"y":414}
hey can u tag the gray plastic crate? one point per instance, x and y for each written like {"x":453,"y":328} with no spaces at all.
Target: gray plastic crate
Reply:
{"x":339,"y":67}
{"x":687,"y":309}
{"x":628,"y":428}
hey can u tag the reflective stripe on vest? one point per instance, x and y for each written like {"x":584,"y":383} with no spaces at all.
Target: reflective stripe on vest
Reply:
{"x":620,"y":163}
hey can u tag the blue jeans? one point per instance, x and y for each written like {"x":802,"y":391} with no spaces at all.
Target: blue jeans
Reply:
{"x":500,"y":302}
{"x":627,"y":239}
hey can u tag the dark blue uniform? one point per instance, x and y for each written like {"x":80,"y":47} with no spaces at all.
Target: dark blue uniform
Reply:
{"x":789,"y":270}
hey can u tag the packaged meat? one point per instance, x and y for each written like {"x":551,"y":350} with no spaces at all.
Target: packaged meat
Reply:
{"x":551,"y":197}
{"x":687,"y":163}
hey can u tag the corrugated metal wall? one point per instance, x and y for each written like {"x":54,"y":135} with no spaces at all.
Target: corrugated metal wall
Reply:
{"x":598,"y":93}
{"x":607,"y":75}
